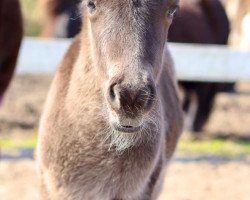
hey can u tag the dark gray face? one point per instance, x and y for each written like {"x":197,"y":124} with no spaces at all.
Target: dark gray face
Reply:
{"x":127,"y":39}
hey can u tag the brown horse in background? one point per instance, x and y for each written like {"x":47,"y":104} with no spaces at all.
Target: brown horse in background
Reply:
{"x":62,"y":18}
{"x":203,"y":22}
{"x":11,"y":32}
{"x":239,"y":14}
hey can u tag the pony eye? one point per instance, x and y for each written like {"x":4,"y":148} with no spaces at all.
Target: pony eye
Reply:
{"x":172,"y":11}
{"x":91,"y":6}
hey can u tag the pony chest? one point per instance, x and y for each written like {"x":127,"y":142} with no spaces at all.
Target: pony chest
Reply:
{"x":108,"y":175}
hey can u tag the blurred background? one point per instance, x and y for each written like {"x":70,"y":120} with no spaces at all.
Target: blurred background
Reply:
{"x":213,"y":156}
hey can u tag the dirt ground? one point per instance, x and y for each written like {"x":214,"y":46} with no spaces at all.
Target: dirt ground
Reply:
{"x":192,"y":180}
{"x":188,"y":178}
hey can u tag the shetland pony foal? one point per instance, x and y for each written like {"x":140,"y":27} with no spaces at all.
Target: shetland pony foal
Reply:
{"x":112,"y":117}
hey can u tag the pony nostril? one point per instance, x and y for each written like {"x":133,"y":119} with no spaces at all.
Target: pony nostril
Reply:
{"x":130,"y":100}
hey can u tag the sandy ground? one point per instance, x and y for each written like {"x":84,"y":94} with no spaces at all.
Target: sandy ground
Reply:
{"x":187,"y":178}
{"x":23,"y":104}
{"x":192,"y":180}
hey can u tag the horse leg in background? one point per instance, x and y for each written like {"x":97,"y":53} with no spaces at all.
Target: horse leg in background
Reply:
{"x":205,"y":99}
{"x":186,"y":101}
